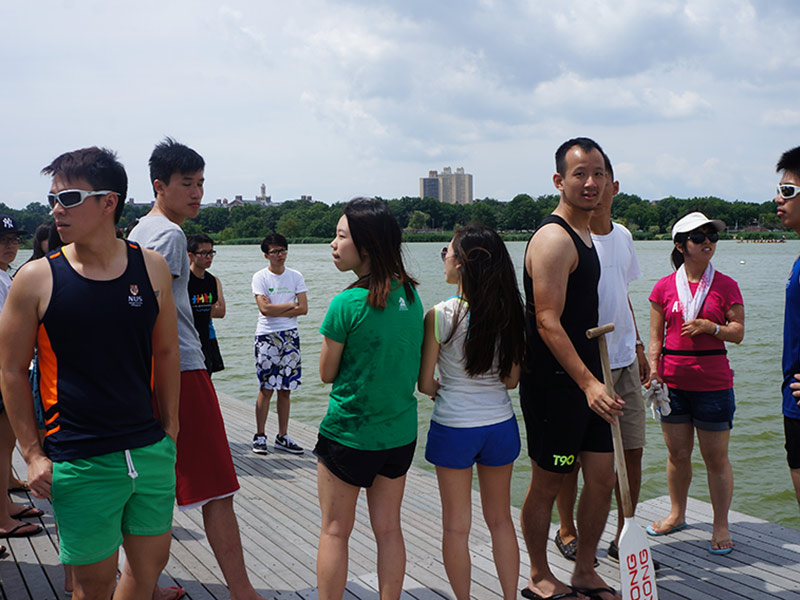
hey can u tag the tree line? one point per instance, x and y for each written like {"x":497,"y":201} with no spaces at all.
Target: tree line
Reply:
{"x":312,"y":220}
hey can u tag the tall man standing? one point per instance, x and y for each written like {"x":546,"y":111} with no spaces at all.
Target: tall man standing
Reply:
{"x":788,"y":201}
{"x":619,"y":266}
{"x":205,"y":473}
{"x":101,"y":312}
{"x":564,"y":402}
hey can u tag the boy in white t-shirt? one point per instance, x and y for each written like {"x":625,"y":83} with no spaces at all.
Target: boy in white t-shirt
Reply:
{"x":280,"y":294}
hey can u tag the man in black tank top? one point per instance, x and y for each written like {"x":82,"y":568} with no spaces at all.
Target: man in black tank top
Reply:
{"x":566,"y":408}
{"x":108,"y":462}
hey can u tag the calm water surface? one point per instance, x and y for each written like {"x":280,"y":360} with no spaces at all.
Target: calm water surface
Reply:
{"x":762,"y":486}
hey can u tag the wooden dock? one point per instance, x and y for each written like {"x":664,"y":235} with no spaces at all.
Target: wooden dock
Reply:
{"x":279,"y":522}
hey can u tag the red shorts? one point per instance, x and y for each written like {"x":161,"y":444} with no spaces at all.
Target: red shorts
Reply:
{"x":204,"y":467}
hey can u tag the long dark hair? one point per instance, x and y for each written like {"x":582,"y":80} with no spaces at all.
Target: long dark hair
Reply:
{"x":496,"y":324}
{"x":677,"y":256}
{"x":377,"y":234}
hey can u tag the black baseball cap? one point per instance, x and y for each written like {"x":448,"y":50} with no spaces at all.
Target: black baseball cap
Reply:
{"x":10,"y":225}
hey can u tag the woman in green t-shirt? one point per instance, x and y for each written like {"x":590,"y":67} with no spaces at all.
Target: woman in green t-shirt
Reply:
{"x":371,"y":354}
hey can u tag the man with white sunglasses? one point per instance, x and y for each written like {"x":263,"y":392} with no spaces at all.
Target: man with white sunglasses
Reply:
{"x":788,"y":201}
{"x":102,"y":314}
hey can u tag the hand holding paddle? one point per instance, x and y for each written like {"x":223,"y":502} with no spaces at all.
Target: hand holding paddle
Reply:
{"x":637,"y":576}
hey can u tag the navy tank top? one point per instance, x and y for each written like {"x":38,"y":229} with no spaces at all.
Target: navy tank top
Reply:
{"x":95,"y":359}
{"x":580,"y":314}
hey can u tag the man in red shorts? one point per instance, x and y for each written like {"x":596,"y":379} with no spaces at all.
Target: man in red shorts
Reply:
{"x":205,"y":473}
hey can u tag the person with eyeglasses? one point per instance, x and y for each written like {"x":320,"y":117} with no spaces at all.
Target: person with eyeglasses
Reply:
{"x":281,"y":297}
{"x":102,"y":313}
{"x":205,"y":296}
{"x":693,"y":312}
{"x":788,"y":201}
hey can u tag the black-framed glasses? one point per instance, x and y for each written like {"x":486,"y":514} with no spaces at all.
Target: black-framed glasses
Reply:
{"x":698,"y":237}
{"x":72,"y":198}
{"x":278,"y":251}
{"x":10,"y":240}
{"x":205,"y":253}
{"x":787,"y":191}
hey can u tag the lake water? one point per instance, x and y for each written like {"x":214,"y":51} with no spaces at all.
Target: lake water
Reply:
{"x":762,"y":483}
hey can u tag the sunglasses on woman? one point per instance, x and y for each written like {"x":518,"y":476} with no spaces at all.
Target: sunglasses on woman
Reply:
{"x":72,"y":198}
{"x":698,"y":237}
{"x":787,"y":191}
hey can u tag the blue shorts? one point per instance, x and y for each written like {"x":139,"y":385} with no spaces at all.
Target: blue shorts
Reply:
{"x":709,"y":411}
{"x":461,"y":447}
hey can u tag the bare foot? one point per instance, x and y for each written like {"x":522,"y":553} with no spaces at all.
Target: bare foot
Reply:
{"x":666,"y":525}
{"x":595,"y":587}
{"x":18,"y":528}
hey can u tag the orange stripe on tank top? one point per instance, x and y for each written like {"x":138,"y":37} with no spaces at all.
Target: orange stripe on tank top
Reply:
{"x":48,"y":375}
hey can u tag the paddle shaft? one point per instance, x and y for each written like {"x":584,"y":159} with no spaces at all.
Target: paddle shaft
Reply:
{"x":619,"y":450}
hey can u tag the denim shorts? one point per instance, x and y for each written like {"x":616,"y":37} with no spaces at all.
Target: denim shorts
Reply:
{"x":461,"y":447}
{"x":709,"y":411}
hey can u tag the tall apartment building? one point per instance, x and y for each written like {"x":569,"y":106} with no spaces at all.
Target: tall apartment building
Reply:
{"x":453,"y":188}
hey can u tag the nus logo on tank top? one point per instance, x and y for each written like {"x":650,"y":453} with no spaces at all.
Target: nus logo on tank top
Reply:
{"x":134,"y":299}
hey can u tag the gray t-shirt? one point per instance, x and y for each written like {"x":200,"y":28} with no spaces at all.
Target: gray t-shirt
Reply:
{"x":158,"y":233}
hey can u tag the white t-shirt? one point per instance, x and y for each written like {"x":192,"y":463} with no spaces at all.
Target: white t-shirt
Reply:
{"x":618,"y":267}
{"x":5,"y":283}
{"x":279,"y":289}
{"x":462,"y":400}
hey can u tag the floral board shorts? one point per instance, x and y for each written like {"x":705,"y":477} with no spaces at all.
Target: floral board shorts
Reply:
{"x":278,"y":360}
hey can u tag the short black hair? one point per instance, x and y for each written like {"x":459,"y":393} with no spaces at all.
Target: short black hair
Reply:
{"x":273,"y":239}
{"x":790,"y":161}
{"x":609,"y":168}
{"x":585,"y":144}
{"x":170,"y":157}
{"x":99,"y":167}
{"x":194,"y":240}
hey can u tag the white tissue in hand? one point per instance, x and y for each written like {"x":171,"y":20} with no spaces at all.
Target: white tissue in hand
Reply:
{"x":657,"y":398}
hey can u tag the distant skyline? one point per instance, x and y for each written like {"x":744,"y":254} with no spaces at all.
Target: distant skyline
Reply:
{"x":335,"y":99}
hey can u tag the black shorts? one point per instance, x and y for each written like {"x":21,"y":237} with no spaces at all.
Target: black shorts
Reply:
{"x":560,"y":426}
{"x":791,"y":428}
{"x":360,"y":467}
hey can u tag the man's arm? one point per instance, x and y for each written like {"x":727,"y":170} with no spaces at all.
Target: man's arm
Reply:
{"x":284,"y":309}
{"x":550,"y":258}
{"x":166,"y":356}
{"x":19,"y":322}
{"x":218,"y":308}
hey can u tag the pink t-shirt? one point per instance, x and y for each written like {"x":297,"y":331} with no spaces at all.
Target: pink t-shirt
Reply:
{"x":695,"y":373}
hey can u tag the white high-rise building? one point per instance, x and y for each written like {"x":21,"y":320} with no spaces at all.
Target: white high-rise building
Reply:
{"x":453,"y":188}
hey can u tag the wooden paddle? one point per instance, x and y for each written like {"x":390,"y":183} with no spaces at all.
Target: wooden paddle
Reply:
{"x":636,"y":574}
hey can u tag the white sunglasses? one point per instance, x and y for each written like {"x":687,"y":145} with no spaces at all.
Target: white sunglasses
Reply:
{"x":787,"y":191}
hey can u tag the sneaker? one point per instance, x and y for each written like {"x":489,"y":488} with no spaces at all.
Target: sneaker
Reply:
{"x":260,"y":444}
{"x":613,"y":554}
{"x":287,"y":444}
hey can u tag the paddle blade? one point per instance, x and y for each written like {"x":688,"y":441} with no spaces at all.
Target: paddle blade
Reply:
{"x":636,"y":574}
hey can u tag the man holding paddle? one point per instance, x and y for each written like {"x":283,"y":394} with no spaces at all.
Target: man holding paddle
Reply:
{"x":566,"y":407}
{"x":619,"y":266}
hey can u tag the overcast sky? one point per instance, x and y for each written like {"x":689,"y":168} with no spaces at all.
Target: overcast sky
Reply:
{"x":341,"y":98}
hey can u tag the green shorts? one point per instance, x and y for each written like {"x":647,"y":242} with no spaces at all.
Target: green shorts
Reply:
{"x":97,"y":500}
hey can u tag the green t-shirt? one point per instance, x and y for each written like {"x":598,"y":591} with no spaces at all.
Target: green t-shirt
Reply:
{"x":372,"y":404}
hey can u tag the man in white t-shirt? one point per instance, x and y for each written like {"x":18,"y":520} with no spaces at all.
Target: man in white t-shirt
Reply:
{"x":619,"y":266}
{"x":280,"y":294}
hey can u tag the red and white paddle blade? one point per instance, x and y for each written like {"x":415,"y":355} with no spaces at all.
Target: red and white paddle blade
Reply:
{"x":636,"y":573}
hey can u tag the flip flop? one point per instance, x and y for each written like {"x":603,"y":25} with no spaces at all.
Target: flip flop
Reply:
{"x":676,"y":528}
{"x":22,"y":487}
{"x":179,"y":592}
{"x":3,"y":551}
{"x":719,"y":551}
{"x":531,"y":595}
{"x":16,"y":533}
{"x":29,"y":512}
{"x":594,"y":593}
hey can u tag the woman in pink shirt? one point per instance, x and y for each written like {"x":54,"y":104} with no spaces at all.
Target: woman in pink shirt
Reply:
{"x":693,"y":312}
